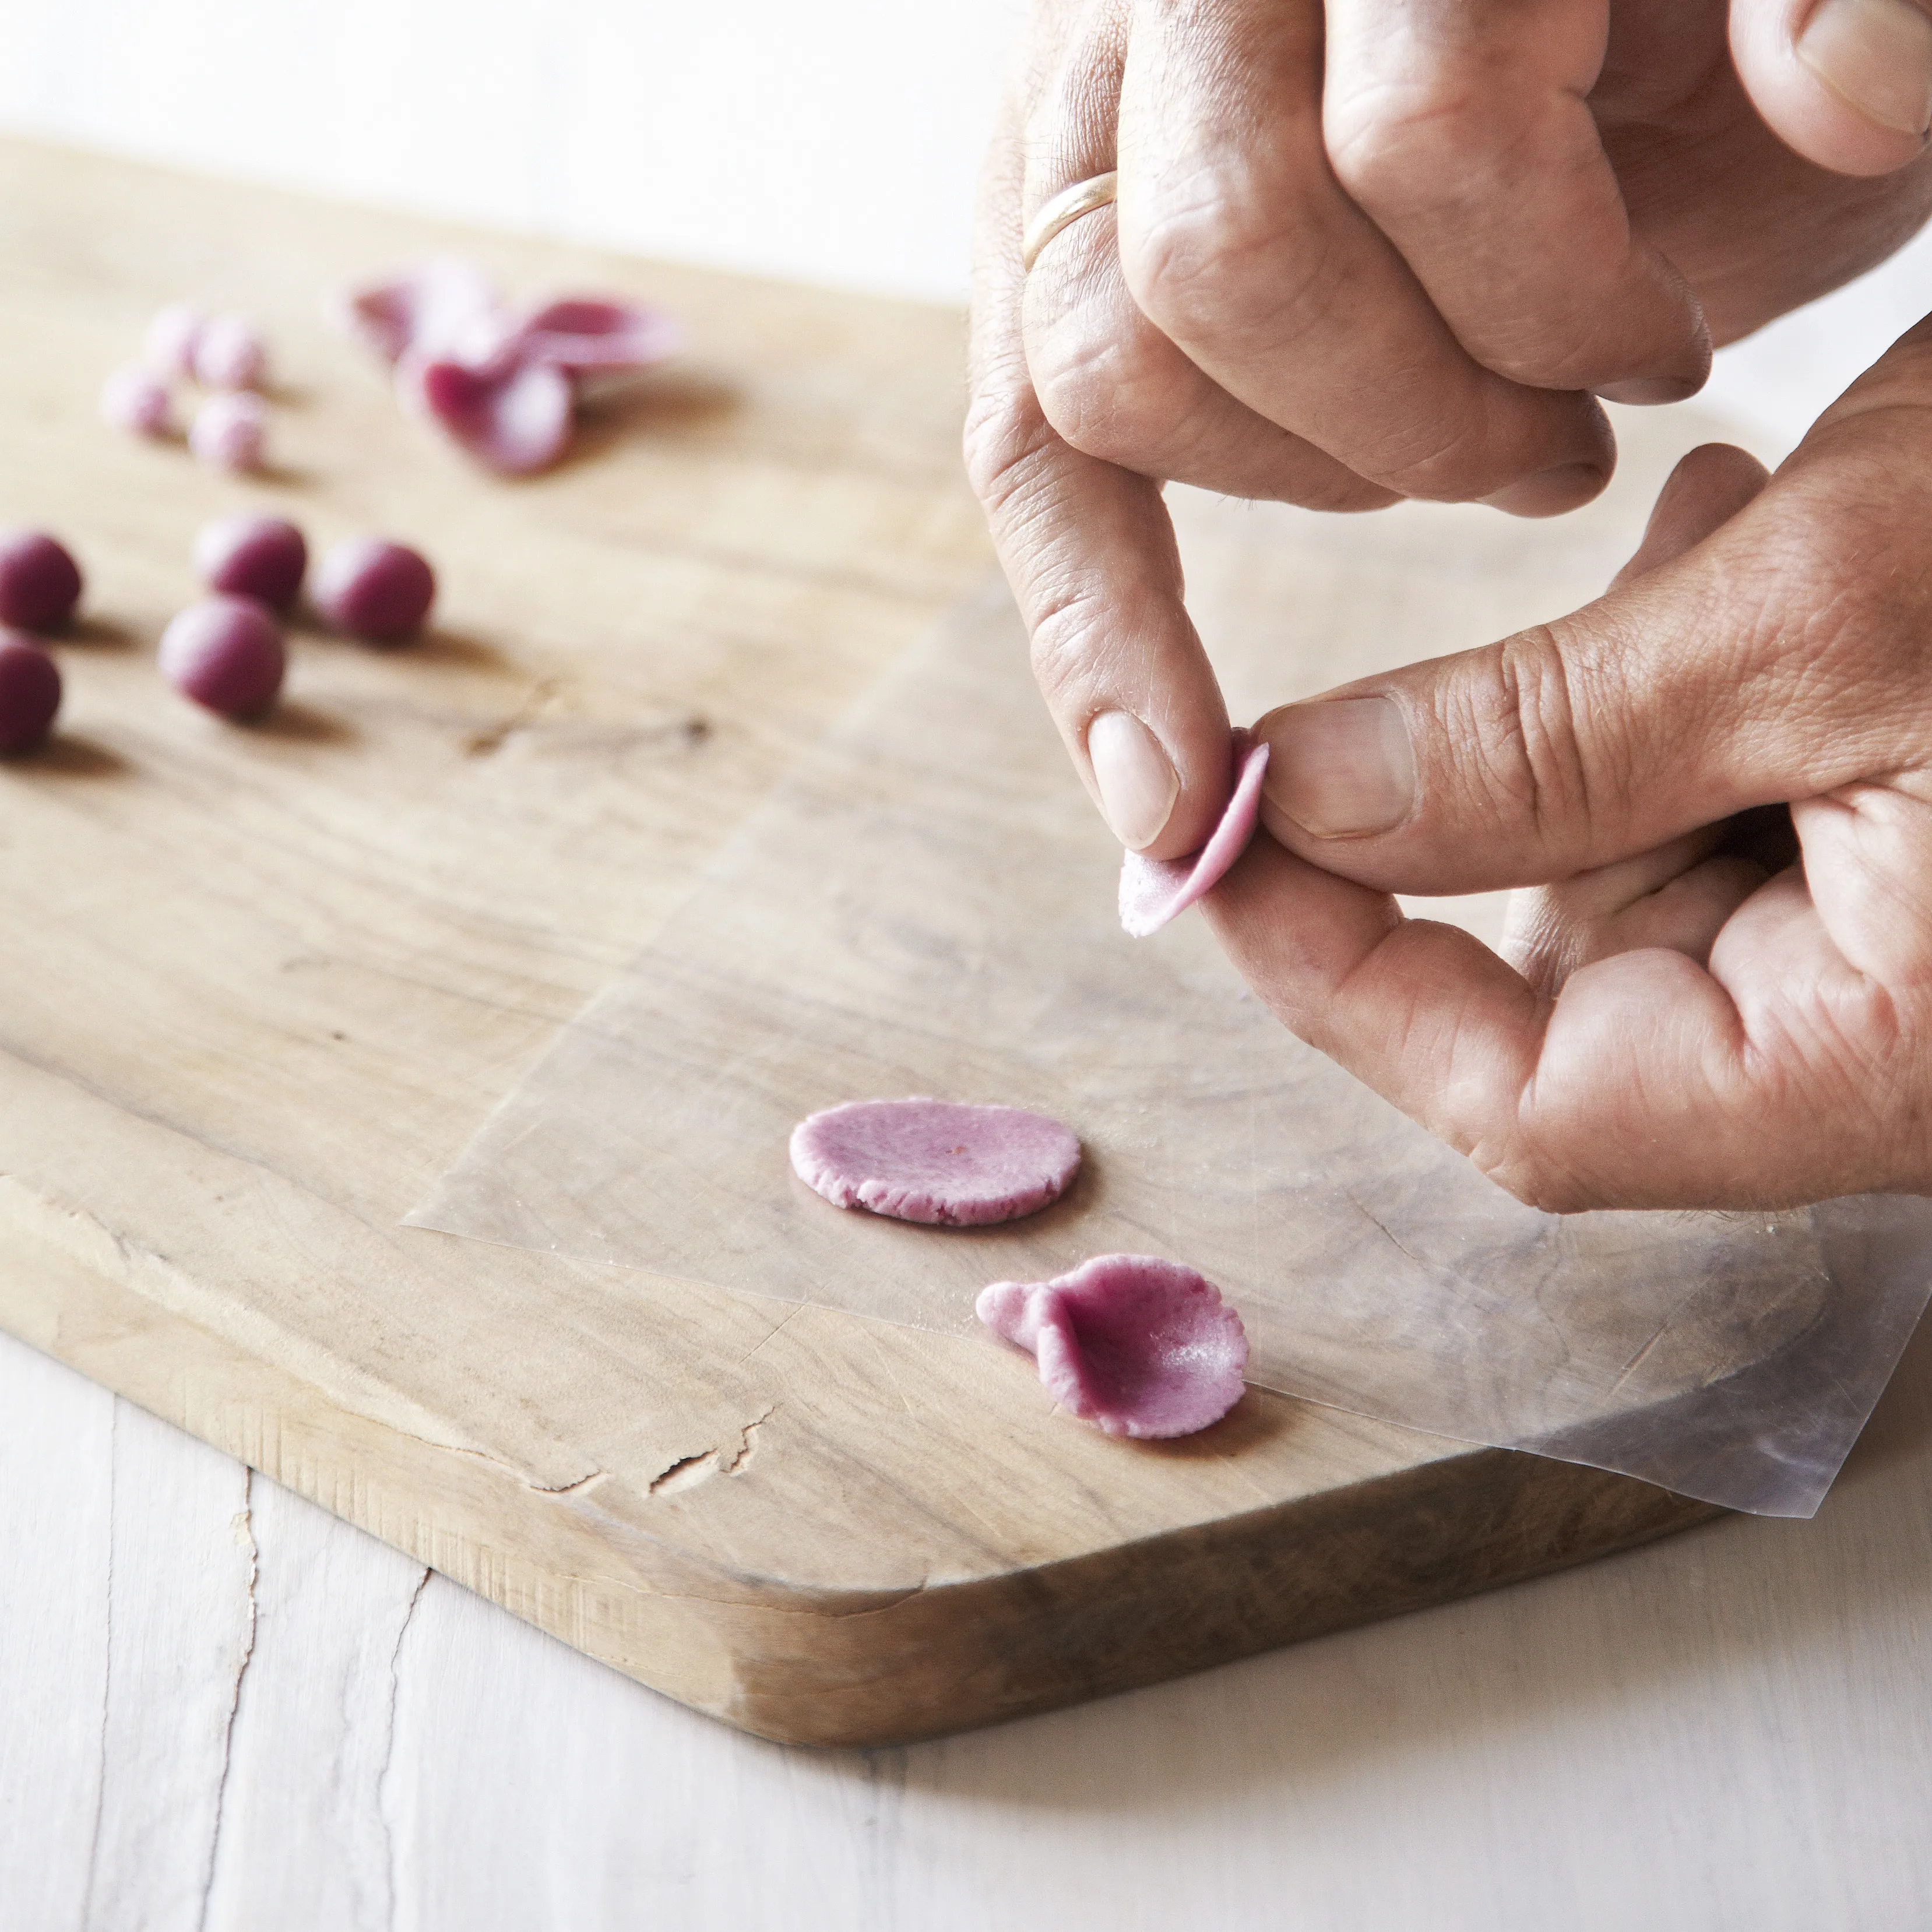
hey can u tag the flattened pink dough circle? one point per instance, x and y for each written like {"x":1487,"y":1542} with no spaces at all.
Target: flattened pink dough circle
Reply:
{"x":943,"y":1162}
{"x":1136,"y":1345}
{"x":1153,"y":891}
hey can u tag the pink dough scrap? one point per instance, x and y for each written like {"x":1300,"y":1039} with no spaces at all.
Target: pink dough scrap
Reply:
{"x":428,"y":308}
{"x":1153,"y":891}
{"x":515,"y":415}
{"x":588,"y":333}
{"x":944,"y":1163}
{"x":1136,"y":1345}
{"x":504,"y":382}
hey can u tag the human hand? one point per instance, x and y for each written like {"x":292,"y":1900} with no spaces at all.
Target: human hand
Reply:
{"x":1386,"y":252}
{"x":1682,"y":1016}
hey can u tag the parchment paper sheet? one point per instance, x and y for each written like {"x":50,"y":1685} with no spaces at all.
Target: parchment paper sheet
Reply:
{"x":927,"y":908}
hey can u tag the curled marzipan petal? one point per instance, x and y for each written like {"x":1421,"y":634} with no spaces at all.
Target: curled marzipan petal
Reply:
{"x":1152,"y":891}
{"x":1136,"y":1345}
{"x":584,"y":333}
{"x":516,"y":419}
{"x":426,"y":311}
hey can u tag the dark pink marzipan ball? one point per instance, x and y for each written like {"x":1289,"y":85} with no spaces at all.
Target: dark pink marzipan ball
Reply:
{"x":40,"y":582}
{"x":252,"y":556}
{"x":30,"y":692}
{"x":225,"y":652}
{"x":373,"y":588}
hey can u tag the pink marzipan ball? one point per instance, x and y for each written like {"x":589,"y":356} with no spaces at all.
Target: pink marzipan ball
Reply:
{"x":226,"y":654}
{"x":249,"y":556}
{"x":168,"y":345}
{"x":229,"y":354}
{"x":30,"y":692}
{"x":40,"y":582}
{"x":374,"y":589}
{"x":229,"y":431}
{"x":137,"y":400}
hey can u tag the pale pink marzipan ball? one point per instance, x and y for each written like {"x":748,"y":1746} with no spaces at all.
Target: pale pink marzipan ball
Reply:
{"x":229,"y":431}
{"x":373,"y":588}
{"x":168,"y":345}
{"x":226,"y":653}
{"x":252,"y":556}
{"x":229,"y":354}
{"x":137,"y":400}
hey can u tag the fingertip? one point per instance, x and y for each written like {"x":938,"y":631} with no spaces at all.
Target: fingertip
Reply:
{"x":1338,"y":768}
{"x":1550,"y":492}
{"x":1136,"y":778}
{"x":1708,"y":487}
{"x":1650,"y":392}
{"x":1725,"y":469}
{"x":1660,"y":387}
{"x":1847,"y":84}
{"x":1199,"y":776}
{"x":1566,"y":486}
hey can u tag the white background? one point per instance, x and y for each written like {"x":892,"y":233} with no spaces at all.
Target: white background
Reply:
{"x":833,"y":142}
{"x":221,"y":1708}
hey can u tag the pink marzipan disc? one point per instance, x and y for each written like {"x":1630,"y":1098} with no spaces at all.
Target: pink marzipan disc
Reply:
{"x":940,"y":1162}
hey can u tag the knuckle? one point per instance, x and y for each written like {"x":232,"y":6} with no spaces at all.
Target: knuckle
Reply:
{"x":1005,"y":438}
{"x":1062,"y":650}
{"x":1430,"y":144}
{"x":1214,"y":264}
{"x":1102,"y":396}
{"x":1440,"y":464}
{"x":1439,"y":158}
{"x":1520,"y":717}
{"x":1378,"y":137}
{"x":1539,"y":1158}
{"x":1513,"y":1148}
{"x":1537,"y":1178}
{"x":1202,"y":260}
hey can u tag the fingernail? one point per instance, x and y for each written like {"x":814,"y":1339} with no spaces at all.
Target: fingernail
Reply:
{"x":1550,"y":492}
{"x":1138,"y":783}
{"x":1342,"y":767}
{"x":1876,"y":55}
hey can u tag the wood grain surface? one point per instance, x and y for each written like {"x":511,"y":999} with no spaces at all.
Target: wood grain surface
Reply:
{"x":264,"y":981}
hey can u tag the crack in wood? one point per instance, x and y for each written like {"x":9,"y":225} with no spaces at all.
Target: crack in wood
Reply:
{"x":244,"y":1526}
{"x":492,"y":737}
{"x":106,"y":1679}
{"x":687,"y":1471}
{"x":389,"y":1740}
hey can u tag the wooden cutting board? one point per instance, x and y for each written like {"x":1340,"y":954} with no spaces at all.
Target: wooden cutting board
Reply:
{"x":263,"y":983}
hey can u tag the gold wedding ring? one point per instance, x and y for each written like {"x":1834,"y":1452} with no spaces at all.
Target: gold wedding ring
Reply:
{"x":1065,"y":207}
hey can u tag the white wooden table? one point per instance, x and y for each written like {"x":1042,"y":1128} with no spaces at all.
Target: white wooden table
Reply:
{"x":222,"y":1708}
